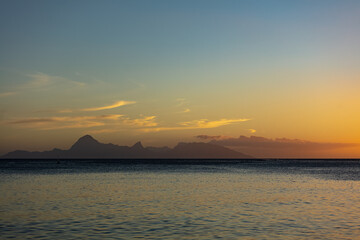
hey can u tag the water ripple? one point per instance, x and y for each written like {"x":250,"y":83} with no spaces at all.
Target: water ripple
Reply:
{"x":179,"y":204}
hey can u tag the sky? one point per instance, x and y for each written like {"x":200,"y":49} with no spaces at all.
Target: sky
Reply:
{"x":255,"y":71}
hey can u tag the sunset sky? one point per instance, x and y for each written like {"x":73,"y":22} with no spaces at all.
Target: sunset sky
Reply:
{"x":169,"y":71}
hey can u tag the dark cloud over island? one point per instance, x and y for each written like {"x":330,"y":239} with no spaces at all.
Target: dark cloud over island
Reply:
{"x":278,"y":147}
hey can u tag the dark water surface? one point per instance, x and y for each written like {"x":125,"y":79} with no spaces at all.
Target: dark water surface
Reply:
{"x":248,"y":200}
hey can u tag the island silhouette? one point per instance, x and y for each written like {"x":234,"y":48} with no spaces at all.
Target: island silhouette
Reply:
{"x":87,"y":147}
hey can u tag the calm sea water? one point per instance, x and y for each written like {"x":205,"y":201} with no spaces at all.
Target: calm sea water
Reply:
{"x":269,"y":200}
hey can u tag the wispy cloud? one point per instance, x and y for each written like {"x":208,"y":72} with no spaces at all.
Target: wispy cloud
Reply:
{"x":128,"y":124}
{"x":111,"y":122}
{"x":209,"y":137}
{"x":181,"y":102}
{"x":186,"y":110}
{"x":40,"y":79}
{"x":139,"y":84}
{"x":197,"y":124}
{"x":66,"y":111}
{"x":93,"y":109}
{"x":6,"y":94}
{"x":64,"y":119}
{"x":205,"y":123}
{"x":149,"y":124}
{"x":99,"y":131}
{"x":84,"y":124}
{"x":51,"y":123}
{"x":114,"y":105}
{"x":142,"y":122}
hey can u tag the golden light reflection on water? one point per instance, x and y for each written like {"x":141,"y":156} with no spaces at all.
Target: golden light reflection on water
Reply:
{"x":179,"y":204}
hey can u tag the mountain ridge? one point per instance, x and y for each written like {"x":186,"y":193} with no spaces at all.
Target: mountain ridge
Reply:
{"x":87,"y":147}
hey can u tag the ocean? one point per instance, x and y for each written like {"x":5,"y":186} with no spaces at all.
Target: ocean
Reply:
{"x":288,"y":199}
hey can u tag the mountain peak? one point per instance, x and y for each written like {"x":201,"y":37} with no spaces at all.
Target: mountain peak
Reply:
{"x":85,"y":141}
{"x":137,"y":145}
{"x":87,"y":138}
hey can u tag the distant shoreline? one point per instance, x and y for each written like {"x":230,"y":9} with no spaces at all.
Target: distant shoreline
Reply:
{"x":178,"y":161}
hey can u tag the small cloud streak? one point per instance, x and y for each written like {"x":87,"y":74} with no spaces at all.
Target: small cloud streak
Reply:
{"x":186,"y":110}
{"x":181,"y":102}
{"x":41,"y":80}
{"x":115,"y":105}
{"x":141,"y":122}
{"x":197,"y":124}
{"x":99,"y":131}
{"x":52,"y":123}
{"x":205,"y":123}
{"x":65,"y":119}
{"x":6,"y":94}
{"x":65,"y":111}
{"x":208,"y":137}
{"x":84,"y":124}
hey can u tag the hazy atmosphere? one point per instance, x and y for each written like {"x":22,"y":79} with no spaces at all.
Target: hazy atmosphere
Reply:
{"x":266,"y":78}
